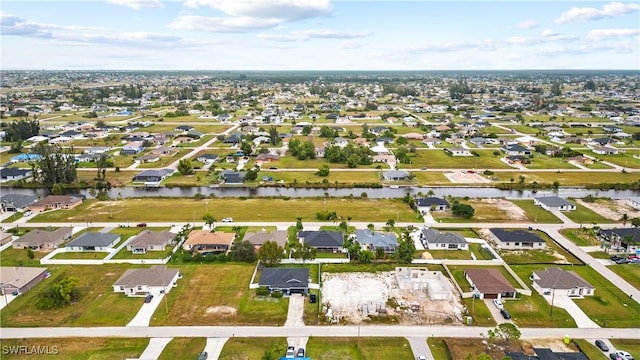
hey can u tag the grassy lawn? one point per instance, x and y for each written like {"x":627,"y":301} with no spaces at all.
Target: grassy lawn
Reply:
{"x":359,"y":348}
{"x":480,"y":252}
{"x":438,"y":348}
{"x":536,"y":213}
{"x":207,"y":295}
{"x":164,"y":209}
{"x":632,"y":346}
{"x":479,"y":311}
{"x":74,"y":255}
{"x":552,"y":254}
{"x":450,"y":254}
{"x":18,"y":257}
{"x":183,"y":348}
{"x":252,"y":348}
{"x":590,"y":350}
{"x":584,"y":215}
{"x":607,"y":305}
{"x":573,"y":178}
{"x":433,"y":178}
{"x":302,"y":177}
{"x":164,"y":160}
{"x":579,"y":237}
{"x":484,"y":212}
{"x":629,"y":272}
{"x":126,"y":254}
{"x":81,"y":348}
{"x":438,"y":159}
{"x":545,"y":162}
{"x":625,"y":159}
{"x":98,"y":304}
{"x":121,"y":178}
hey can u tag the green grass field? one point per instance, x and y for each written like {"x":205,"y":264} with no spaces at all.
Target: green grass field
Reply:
{"x":579,"y":237}
{"x":584,"y":215}
{"x":252,"y":348}
{"x":629,"y":272}
{"x":438,"y":159}
{"x":183,"y":348}
{"x":573,"y":178}
{"x":359,"y":348}
{"x":535,"y":213}
{"x":486,"y":210}
{"x":632,"y":346}
{"x":80,"y":348}
{"x":19,"y":257}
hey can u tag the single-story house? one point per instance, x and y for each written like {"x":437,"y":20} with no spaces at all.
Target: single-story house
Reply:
{"x":93,"y":241}
{"x":5,"y":237}
{"x":458,"y":152}
{"x":16,"y":202}
{"x":266,"y":158}
{"x":19,"y":279}
{"x":489,"y":284}
{"x":149,"y":158}
{"x":605,"y":150}
{"x":164,"y":151}
{"x":517,"y":239}
{"x":205,"y":241}
{"x":141,"y":282}
{"x":132,"y":148}
{"x":434,"y":240}
{"x":153,"y":176}
{"x":183,"y":128}
{"x":633,"y":202}
{"x":561,"y":282}
{"x":551,"y":203}
{"x":97,"y":150}
{"x":516,"y":149}
{"x":149,"y":240}
{"x":371,"y":240}
{"x":517,"y":159}
{"x":207,"y":158}
{"x":43,"y":240}
{"x":258,"y":238}
{"x":426,"y":204}
{"x":232,"y":177}
{"x":287,"y":280}
{"x":11,"y":174}
{"x":322,"y":240}
{"x":54,"y":202}
{"x":395,"y":175}
{"x":626,"y":239}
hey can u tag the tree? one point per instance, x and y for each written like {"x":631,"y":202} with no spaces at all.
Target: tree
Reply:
{"x":101,"y":165}
{"x":391,"y":223}
{"x":209,"y":220}
{"x":365,"y":256}
{"x":243,"y":251}
{"x":635,"y":222}
{"x":323,"y":170}
{"x":62,"y":293}
{"x":185,"y":167}
{"x":556,"y":89}
{"x":624,"y":219}
{"x":508,"y":332}
{"x":56,"y":165}
{"x":30,"y":253}
{"x":405,"y":250}
{"x":251,"y":175}
{"x":462,"y":210}
{"x":273,"y":135}
{"x":304,"y":252}
{"x":299,"y":225}
{"x":270,"y":253}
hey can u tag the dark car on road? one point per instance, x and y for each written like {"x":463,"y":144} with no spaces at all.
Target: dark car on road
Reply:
{"x":601,"y":345}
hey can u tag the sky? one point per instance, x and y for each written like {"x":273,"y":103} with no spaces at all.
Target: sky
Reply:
{"x":318,"y":35}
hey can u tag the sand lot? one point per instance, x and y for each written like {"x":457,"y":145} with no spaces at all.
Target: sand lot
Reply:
{"x":465,"y":178}
{"x":351,"y":297}
{"x":614,"y":211}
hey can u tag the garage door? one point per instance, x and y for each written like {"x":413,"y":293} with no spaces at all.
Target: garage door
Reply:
{"x":296,"y":291}
{"x":490,"y":296}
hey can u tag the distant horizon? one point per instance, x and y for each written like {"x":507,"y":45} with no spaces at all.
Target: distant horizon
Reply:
{"x":335,"y":70}
{"x":322,"y":35}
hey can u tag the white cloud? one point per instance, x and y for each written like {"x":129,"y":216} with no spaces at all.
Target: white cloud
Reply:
{"x":137,"y":4}
{"x":350,"y":45}
{"x":314,"y":34}
{"x":548,"y":33}
{"x":219,"y":24}
{"x":284,"y":10}
{"x":481,"y":45}
{"x":14,"y":25}
{"x":600,"y":34}
{"x":527,"y":24}
{"x":588,"y":13}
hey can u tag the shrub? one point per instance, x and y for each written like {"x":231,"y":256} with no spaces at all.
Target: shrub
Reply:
{"x":277,"y":294}
{"x":262,"y":291}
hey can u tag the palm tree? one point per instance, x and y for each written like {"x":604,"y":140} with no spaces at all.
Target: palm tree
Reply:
{"x":624,"y":219}
{"x":209,"y":220}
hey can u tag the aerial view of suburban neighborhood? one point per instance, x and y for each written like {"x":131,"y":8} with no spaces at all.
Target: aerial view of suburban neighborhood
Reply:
{"x":211,"y":179}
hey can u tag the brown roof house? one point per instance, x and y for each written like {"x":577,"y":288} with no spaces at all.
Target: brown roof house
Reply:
{"x":561,"y":282}
{"x":149,"y":240}
{"x":489,"y":284}
{"x":43,"y":240}
{"x":259,"y":238}
{"x":207,"y":242}
{"x":54,"y":202}
{"x":18,"y":280}
{"x":141,"y":282}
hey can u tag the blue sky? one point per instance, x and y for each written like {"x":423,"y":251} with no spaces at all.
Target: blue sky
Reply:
{"x":319,"y":35}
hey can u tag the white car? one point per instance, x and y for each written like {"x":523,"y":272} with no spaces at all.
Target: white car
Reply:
{"x":421,"y":357}
{"x":498,"y":304}
{"x":624,"y":355}
{"x":227,"y":219}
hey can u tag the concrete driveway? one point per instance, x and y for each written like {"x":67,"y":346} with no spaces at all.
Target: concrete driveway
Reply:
{"x":154,"y":349}
{"x":214,"y":347}
{"x":565,"y":302}
{"x":296,"y":311}
{"x":495,"y":311}
{"x":143,"y":317}
{"x":419,"y":347}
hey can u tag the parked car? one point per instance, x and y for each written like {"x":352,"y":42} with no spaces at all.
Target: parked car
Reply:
{"x":421,"y":357}
{"x":203,"y":356}
{"x":498,"y":304}
{"x":227,"y":220}
{"x":624,"y":355}
{"x":142,"y":225}
{"x":505,"y":314}
{"x":148,"y":298}
{"x":614,"y":356}
{"x":300,"y":352}
{"x":291,"y":352}
{"x":602,"y":346}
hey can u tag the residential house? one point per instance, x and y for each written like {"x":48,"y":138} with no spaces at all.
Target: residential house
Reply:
{"x":554,"y":203}
{"x":5,"y":238}
{"x":142,"y":282}
{"x":516,"y":149}
{"x":132,"y":148}
{"x":266,"y":158}
{"x":207,"y":242}
{"x":149,"y":240}
{"x":322,"y":240}
{"x":153,"y":177}
{"x":458,"y":152}
{"x":517,"y":239}
{"x":207,"y":158}
{"x":372,"y":240}
{"x":20,"y":279}
{"x":164,"y":151}
{"x":286,"y":280}
{"x":625,"y":239}
{"x":604,"y":150}
{"x":12,"y":174}
{"x":149,"y":158}
{"x":16,"y":202}
{"x":93,"y":241}
{"x":231,"y":177}
{"x":183,"y":128}
{"x":560,"y":282}
{"x":42,"y":240}
{"x":260,"y":237}
{"x":396,"y":175}
{"x":633,"y":202}
{"x":54,"y":202}
{"x":432,"y":239}
{"x":489,"y":284}
{"x":232,"y":139}
{"x":426,"y":204}
{"x":517,"y":159}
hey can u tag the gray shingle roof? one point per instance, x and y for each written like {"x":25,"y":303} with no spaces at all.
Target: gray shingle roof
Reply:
{"x":560,"y":279}
{"x":377,"y":239}
{"x":322,"y":238}
{"x":553,"y":201}
{"x":94,"y":239}
{"x":428,"y":201}
{"x":284,"y":278}
{"x":153,"y":276}
{"x":516,"y":236}
{"x":435,"y":237}
{"x":18,"y":200}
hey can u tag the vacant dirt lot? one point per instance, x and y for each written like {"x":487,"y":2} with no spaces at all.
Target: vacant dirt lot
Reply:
{"x":611,"y":210}
{"x":465,"y":178}
{"x":352,"y":297}
{"x":514,"y":212}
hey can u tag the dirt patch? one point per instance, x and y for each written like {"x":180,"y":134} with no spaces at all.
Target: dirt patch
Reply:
{"x":512,"y":210}
{"x":614,"y":210}
{"x":356,"y":297}
{"x":465,"y":177}
{"x":222,"y":310}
